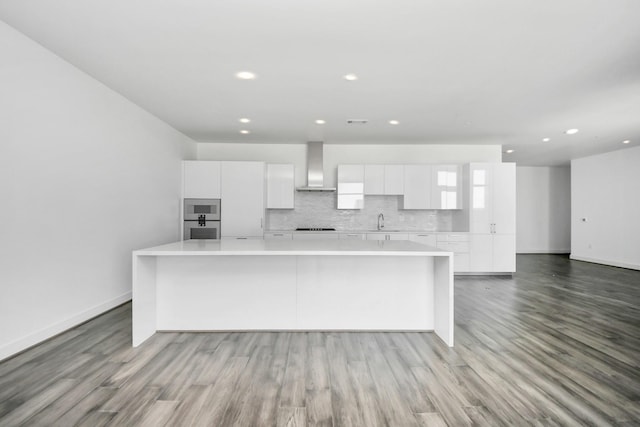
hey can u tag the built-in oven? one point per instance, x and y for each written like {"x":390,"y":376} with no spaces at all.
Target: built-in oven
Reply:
{"x":201,"y":230}
{"x":201,"y":219}
{"x":195,"y":209}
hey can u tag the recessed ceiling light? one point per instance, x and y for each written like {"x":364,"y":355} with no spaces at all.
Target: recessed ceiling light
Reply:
{"x":394,"y":122}
{"x":320,"y":122}
{"x":245,"y":132}
{"x":509,"y":151}
{"x":571,"y":131}
{"x":626,"y":141}
{"x":546,"y":139}
{"x":244,"y":120}
{"x":351,"y":77}
{"x":245,"y":75}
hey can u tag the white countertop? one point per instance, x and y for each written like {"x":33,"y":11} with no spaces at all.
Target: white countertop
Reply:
{"x":293,"y":247}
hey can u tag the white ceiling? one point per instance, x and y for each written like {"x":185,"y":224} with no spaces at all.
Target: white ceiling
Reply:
{"x":452,"y":72}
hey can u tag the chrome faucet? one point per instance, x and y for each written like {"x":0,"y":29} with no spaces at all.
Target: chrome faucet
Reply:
{"x":380,"y":222}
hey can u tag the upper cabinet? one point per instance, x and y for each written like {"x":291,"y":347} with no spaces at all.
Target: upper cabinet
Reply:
{"x":350,"y":186}
{"x":446,"y":187}
{"x":242,"y":188}
{"x":417,"y":187}
{"x":201,"y":179}
{"x":280,"y":186}
{"x":492,"y":201}
{"x":383,"y":179}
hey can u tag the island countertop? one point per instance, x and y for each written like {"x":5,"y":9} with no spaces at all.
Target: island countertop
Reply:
{"x":293,"y":247}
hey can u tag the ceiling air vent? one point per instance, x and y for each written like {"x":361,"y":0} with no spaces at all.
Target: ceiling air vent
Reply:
{"x":357,"y":121}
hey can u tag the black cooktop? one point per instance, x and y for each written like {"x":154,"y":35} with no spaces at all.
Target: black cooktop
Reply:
{"x":315,"y":229}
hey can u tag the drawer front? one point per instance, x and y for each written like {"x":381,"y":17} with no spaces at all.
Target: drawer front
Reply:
{"x":453,"y":237}
{"x":425,"y":239}
{"x":278,"y":236}
{"x":352,"y":236}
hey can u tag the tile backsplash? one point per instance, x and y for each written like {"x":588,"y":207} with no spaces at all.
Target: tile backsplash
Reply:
{"x":319,"y":210}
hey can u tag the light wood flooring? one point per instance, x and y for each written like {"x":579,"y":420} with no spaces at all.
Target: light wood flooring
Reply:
{"x":557,"y":344}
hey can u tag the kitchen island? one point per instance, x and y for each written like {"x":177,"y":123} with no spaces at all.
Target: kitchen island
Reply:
{"x":213,"y":285}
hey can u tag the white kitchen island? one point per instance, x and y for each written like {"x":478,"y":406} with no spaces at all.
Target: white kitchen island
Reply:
{"x":348,"y":285}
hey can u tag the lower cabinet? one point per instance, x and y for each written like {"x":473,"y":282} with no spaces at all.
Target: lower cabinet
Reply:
{"x":424,"y":238}
{"x":457,"y":243}
{"x":387,"y":236}
{"x":352,"y":236}
{"x":315,"y":236}
{"x":492,"y":253}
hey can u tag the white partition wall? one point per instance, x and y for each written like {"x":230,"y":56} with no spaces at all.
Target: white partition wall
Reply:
{"x":605,"y":208}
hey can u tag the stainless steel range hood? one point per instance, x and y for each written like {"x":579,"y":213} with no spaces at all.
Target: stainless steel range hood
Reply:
{"x":315,"y":172}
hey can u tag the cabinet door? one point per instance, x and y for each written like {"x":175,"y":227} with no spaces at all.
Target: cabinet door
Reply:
{"x":242,"y":190}
{"x":350,"y":187}
{"x":373,"y":179}
{"x":481,"y":253}
{"x":394,"y":180}
{"x":280,"y":186}
{"x":417,"y":187}
{"x":201,"y":179}
{"x":446,"y":187}
{"x":481,"y":200}
{"x":504,"y":253}
{"x":504,"y":198}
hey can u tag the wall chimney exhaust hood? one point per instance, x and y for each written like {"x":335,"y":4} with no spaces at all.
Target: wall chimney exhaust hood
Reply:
{"x":315,"y":172}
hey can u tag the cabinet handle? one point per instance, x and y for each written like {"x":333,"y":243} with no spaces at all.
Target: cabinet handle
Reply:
{"x":278,"y":234}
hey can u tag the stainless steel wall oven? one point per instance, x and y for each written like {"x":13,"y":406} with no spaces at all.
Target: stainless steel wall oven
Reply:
{"x":201,"y":219}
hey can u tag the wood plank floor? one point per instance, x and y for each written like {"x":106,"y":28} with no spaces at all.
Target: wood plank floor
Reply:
{"x":558,"y":344}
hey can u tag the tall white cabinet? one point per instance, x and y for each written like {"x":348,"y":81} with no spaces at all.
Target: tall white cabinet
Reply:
{"x":242,"y":190}
{"x":492,"y":217}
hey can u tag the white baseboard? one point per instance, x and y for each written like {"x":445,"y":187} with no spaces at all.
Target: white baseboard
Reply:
{"x":30,"y":340}
{"x":544,"y":251}
{"x":606,"y":262}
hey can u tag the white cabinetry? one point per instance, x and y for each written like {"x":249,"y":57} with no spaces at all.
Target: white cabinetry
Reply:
{"x":417,"y":187}
{"x":458,"y":243}
{"x":387,"y":236}
{"x":374,"y":179}
{"x":492,"y":213}
{"x":277,"y":236}
{"x":352,"y":236}
{"x":350,"y":186}
{"x":201,"y":179}
{"x":280,"y":186}
{"x":424,"y":238}
{"x":384,"y":180}
{"x":242,"y":191}
{"x":446,"y":187}
{"x":394,"y":180}
{"x":315,"y":236}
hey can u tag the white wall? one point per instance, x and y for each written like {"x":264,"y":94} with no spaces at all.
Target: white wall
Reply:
{"x":335,"y":154}
{"x":543,"y":209}
{"x":85,"y":177}
{"x":606,"y":194}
